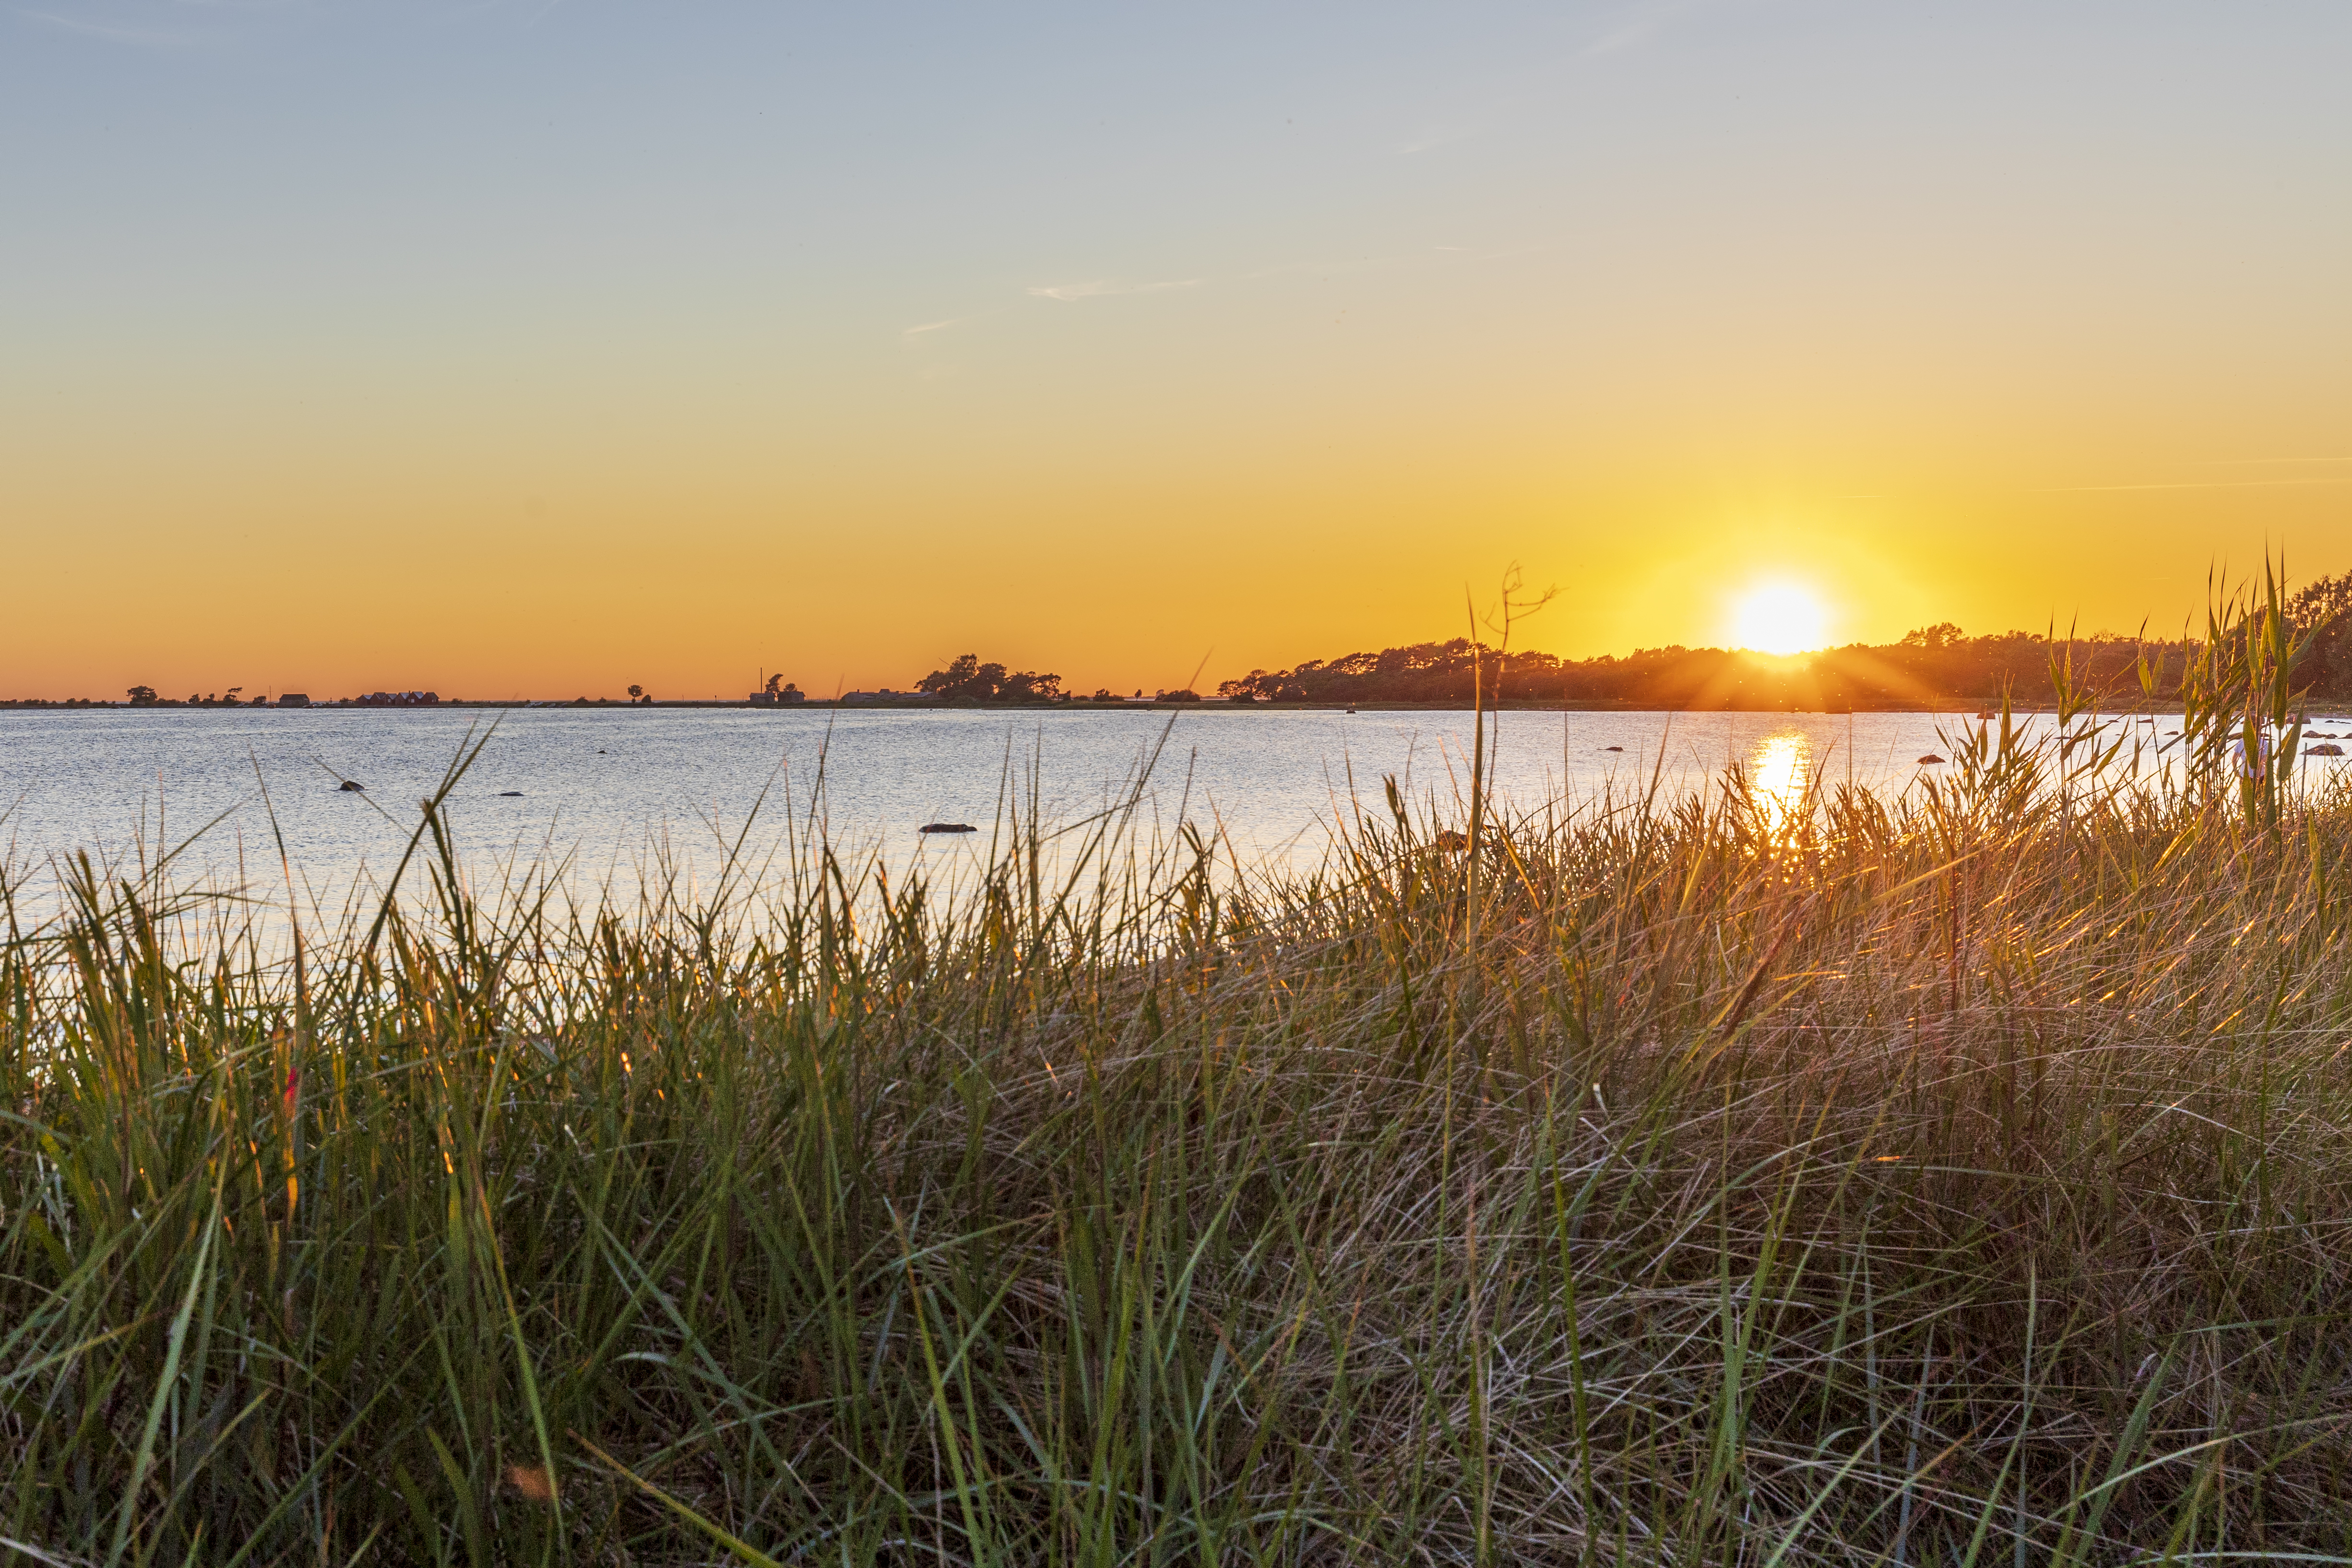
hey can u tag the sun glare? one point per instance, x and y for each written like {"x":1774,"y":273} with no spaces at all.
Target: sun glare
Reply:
{"x":1777,"y":618}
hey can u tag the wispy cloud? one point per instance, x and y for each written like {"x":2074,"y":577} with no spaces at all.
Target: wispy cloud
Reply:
{"x":2203,"y":484}
{"x":2268,"y":462}
{"x":1507,"y":253}
{"x":1099,"y":288}
{"x":930,"y":327}
{"x":109,"y":32}
{"x":1637,"y":28}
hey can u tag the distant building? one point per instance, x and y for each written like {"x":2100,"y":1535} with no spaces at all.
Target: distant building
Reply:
{"x":293,"y":700}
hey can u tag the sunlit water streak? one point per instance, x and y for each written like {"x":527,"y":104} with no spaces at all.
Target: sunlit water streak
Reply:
{"x":1780,"y":774}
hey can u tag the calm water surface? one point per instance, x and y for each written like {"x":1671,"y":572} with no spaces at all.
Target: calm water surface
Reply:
{"x":608,"y":790}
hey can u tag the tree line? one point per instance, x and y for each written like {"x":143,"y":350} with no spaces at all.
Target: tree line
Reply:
{"x":1933,"y":663}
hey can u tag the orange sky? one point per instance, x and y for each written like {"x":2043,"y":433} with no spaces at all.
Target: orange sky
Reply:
{"x":438,"y":349}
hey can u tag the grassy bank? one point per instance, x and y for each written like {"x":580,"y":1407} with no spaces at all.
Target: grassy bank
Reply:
{"x":1959,"y":1180}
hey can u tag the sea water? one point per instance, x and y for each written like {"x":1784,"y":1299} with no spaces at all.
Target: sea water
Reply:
{"x":615,"y":796}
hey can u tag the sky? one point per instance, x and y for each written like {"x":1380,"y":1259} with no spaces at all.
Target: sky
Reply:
{"x":545,"y":348}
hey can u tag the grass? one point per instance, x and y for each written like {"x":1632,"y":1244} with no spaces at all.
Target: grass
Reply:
{"x":1962,"y":1179}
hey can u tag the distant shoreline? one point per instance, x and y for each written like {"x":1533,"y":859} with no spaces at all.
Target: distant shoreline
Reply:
{"x":1958,"y":707}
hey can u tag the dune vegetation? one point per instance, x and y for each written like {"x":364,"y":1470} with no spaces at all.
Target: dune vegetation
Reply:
{"x":1957,"y":1178}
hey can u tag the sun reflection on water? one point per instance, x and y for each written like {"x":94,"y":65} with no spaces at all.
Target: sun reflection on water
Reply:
{"x":1779,"y":771}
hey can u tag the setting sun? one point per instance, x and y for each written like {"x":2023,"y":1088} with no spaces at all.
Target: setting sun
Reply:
{"x":1777,"y":618}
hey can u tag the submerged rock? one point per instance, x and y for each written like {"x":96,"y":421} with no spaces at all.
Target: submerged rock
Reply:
{"x":509,"y":794}
{"x":352,"y":784}
{"x":947,"y":828}
{"x":1930,"y":760}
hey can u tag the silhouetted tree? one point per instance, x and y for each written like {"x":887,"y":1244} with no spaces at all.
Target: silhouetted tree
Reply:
{"x":966,"y":678}
{"x":2324,"y":608}
{"x":1030,"y":686}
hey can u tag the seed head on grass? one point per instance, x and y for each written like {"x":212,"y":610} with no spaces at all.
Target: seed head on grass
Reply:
{"x":533,"y":1483}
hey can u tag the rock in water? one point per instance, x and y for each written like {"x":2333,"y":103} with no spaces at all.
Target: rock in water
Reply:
{"x":353,"y":785}
{"x":947,"y":828}
{"x":1930,"y":760}
{"x":509,"y":794}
